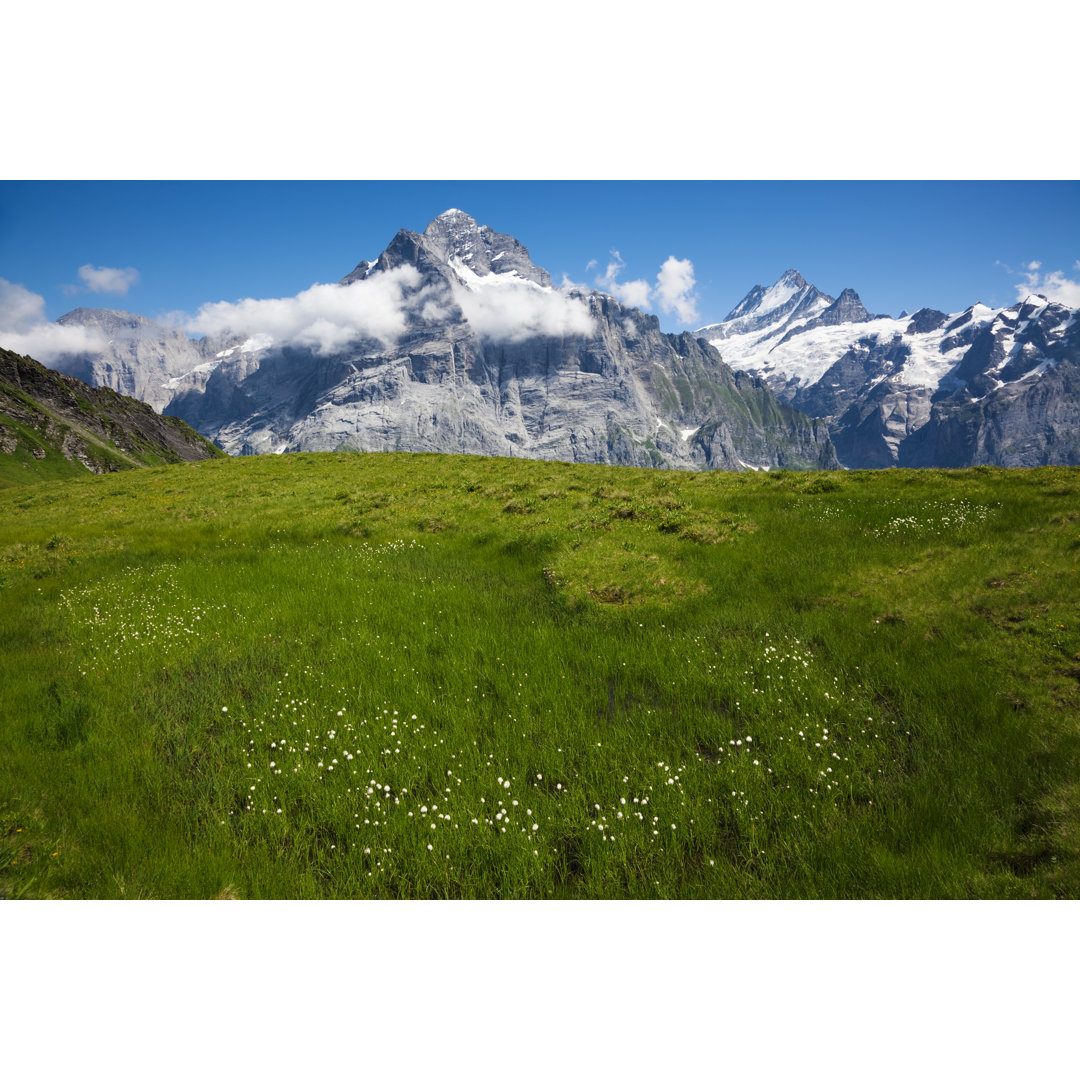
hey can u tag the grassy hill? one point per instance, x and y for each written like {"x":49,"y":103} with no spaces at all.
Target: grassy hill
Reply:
{"x":54,"y":426}
{"x":333,"y":675}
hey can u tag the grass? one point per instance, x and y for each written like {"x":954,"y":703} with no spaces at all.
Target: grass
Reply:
{"x":343,"y":675}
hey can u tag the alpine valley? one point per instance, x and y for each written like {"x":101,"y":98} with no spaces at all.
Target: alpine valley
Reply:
{"x":467,"y":347}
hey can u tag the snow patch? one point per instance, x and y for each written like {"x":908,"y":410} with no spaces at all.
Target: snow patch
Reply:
{"x":808,"y":356}
{"x":511,"y":279}
{"x":199,"y":369}
{"x":259,"y":341}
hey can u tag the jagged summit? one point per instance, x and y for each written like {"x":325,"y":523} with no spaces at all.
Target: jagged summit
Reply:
{"x":760,"y":299}
{"x":793,"y":278}
{"x":455,"y":240}
{"x":848,"y":307}
{"x":454,"y":225}
{"x":767,"y":312}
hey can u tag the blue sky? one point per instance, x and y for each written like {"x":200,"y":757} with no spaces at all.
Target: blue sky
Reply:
{"x":173,"y":246}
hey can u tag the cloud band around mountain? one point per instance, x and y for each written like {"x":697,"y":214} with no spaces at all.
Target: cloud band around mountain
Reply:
{"x":381,"y":307}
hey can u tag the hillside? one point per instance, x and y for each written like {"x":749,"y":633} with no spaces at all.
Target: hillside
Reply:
{"x":53,"y":425}
{"x":411,"y":675}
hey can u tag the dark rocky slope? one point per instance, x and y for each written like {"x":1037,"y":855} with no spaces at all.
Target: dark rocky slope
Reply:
{"x":53,"y":424}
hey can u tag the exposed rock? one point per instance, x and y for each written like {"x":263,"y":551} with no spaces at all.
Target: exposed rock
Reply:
{"x":925,"y":320}
{"x":142,"y":356}
{"x":43,"y":410}
{"x":846,"y":308}
{"x":980,"y":387}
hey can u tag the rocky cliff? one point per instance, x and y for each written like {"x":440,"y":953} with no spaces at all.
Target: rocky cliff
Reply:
{"x":140,"y":358}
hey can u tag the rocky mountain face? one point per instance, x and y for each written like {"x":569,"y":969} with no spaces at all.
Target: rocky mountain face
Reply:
{"x":46,"y":416}
{"x":983,"y":386}
{"x":141,"y":357}
{"x":484,"y":356}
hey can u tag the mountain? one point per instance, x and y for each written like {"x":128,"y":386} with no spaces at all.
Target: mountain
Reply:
{"x":982,"y":386}
{"x":141,"y":356}
{"x":452,"y":340}
{"x":766,"y":313}
{"x":53,"y":425}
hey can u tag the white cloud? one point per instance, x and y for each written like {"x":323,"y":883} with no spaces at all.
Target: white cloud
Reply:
{"x":674,"y":286}
{"x":19,"y":307}
{"x":330,"y":318}
{"x":672,"y":293}
{"x":635,"y":293}
{"x":508,"y":311}
{"x":327,"y":318}
{"x":108,"y":279}
{"x":24,"y":328}
{"x":49,"y":343}
{"x":1055,"y":286}
{"x":569,"y":285}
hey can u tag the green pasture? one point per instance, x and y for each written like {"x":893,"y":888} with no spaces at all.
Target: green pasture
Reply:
{"x":423,"y":676}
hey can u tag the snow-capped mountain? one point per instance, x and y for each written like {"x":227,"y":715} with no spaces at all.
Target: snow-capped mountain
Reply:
{"x":982,"y":386}
{"x":452,"y":340}
{"x":765,"y":313}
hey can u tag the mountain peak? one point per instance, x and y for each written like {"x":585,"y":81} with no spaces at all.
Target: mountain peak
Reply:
{"x":793,"y":278}
{"x":789,"y":295}
{"x":456,"y":238}
{"x":453,"y":232}
{"x":456,"y":241}
{"x":847,"y":308}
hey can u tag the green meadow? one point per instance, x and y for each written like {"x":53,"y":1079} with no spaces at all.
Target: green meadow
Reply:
{"x":422,"y":676}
